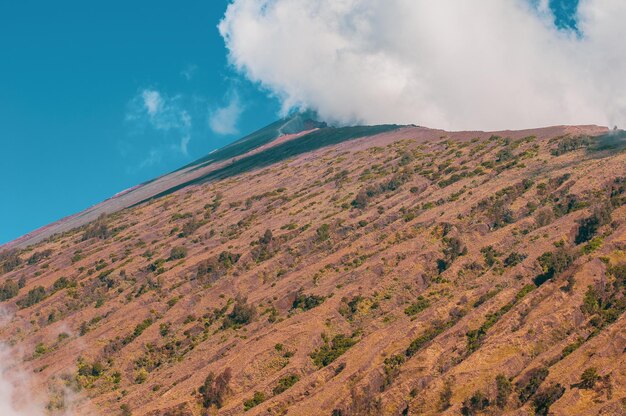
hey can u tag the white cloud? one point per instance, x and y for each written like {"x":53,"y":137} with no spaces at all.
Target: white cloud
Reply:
{"x":455,"y":64}
{"x":224,"y":119}
{"x":152,"y":101}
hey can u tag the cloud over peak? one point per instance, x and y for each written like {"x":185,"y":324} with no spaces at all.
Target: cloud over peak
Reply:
{"x":453,"y":64}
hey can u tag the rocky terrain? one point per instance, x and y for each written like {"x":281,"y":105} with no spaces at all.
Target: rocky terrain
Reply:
{"x":357,"y":271}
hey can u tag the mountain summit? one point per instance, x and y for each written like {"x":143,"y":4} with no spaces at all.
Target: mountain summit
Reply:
{"x":315,"y":270}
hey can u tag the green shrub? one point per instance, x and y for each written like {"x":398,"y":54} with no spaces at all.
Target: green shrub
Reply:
{"x":331,"y":350}
{"x":306,"y":302}
{"x":490,"y":255}
{"x":514,"y":259}
{"x":418,"y":306}
{"x":588,"y":378}
{"x":178,"y":252}
{"x":257,"y":399}
{"x":285,"y":383}
{"x":323,"y":232}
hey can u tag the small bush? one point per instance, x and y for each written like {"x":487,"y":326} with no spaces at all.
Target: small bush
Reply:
{"x":391,"y":368}
{"x":514,"y":259}
{"x":588,"y":378}
{"x":529,"y":385}
{"x":242,"y":314}
{"x":306,"y":302}
{"x":8,"y":290}
{"x":323,"y":232}
{"x":285,"y":383}
{"x":178,"y":252}
{"x":476,"y":403}
{"x":33,"y":297}
{"x":331,"y":350}
{"x":503,"y":390}
{"x":418,"y":306}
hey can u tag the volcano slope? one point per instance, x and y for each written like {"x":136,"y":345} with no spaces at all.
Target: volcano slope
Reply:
{"x":414,"y":272}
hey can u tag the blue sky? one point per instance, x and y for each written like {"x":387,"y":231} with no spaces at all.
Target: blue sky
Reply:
{"x":70,"y":74}
{"x":96,"y":97}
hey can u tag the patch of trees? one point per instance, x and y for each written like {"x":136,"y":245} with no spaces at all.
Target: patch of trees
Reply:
{"x":475,"y":404}
{"x":529,"y":384}
{"x":496,"y":207}
{"x":215,"y":389}
{"x":33,"y":297}
{"x":453,"y":249}
{"x":588,"y":227}
{"x":391,"y":369}
{"x":503,"y":390}
{"x":420,"y":304}
{"x":437,"y":328}
{"x":606,"y":302}
{"x":306,"y":302}
{"x":552,"y":263}
{"x":8,"y":290}
{"x":98,"y":229}
{"x":285,"y":383}
{"x":476,"y":337}
{"x":38,"y":256}
{"x":257,"y":399}
{"x":189,"y":228}
{"x":514,"y":259}
{"x":571,"y":143}
{"x":265,"y":248}
{"x":394,"y":183}
{"x":213,"y":268}
{"x":9,"y":260}
{"x":178,"y":252}
{"x":546,"y":398}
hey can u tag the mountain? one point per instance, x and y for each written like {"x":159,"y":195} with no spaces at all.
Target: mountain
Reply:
{"x":315,"y":270}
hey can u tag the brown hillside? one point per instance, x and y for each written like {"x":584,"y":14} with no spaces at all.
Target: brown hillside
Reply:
{"x":415,"y":272}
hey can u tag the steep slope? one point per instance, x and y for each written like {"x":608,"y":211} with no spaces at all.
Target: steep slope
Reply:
{"x":215,"y":164}
{"x":403,"y":271}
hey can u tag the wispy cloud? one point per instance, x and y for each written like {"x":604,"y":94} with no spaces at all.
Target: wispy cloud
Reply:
{"x":152,"y":108}
{"x":189,"y":71}
{"x":224,"y":120}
